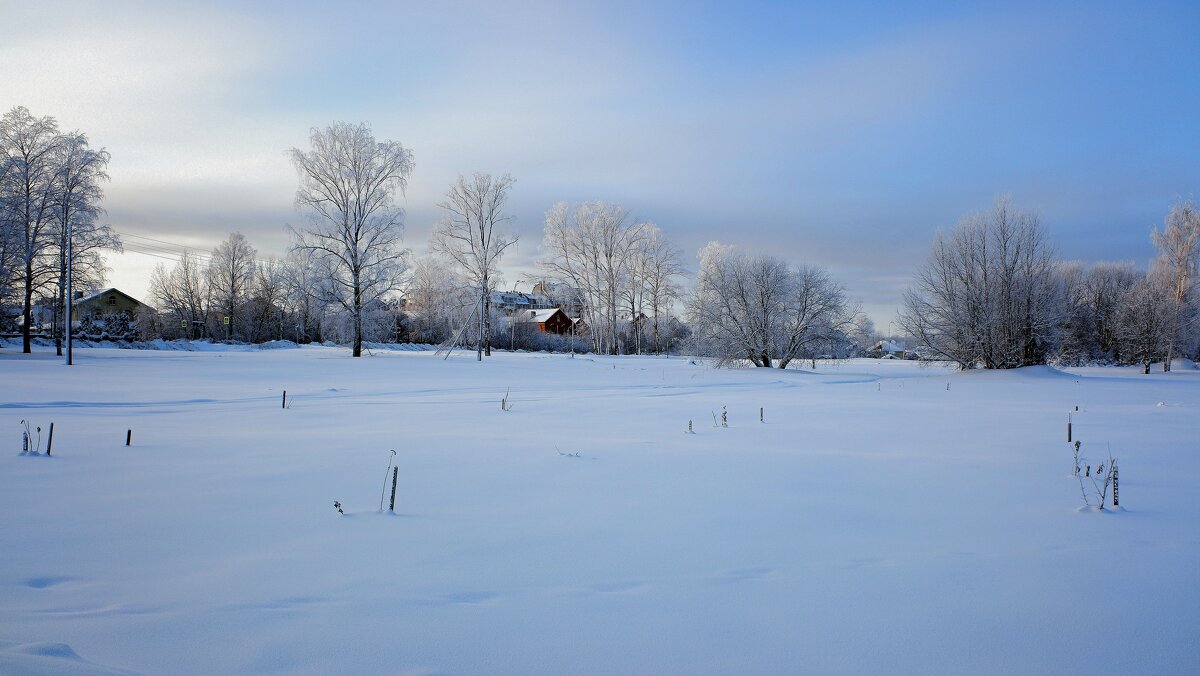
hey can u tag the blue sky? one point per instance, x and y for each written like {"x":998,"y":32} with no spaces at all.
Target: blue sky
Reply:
{"x":835,"y":133}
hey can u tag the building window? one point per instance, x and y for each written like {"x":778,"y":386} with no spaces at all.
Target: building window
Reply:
{"x":112,"y":300}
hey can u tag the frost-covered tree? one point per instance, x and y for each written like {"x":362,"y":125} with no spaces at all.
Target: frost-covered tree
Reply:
{"x":29,"y":147}
{"x":863,"y":334}
{"x":438,"y":300}
{"x":348,"y":188}
{"x":1178,"y":245}
{"x":653,"y":283}
{"x":266,"y":307}
{"x":1144,"y":324}
{"x":467,"y":235}
{"x":230,"y":278}
{"x":987,"y":296}
{"x":304,"y":281}
{"x":77,"y":194}
{"x":8,"y":245}
{"x":182,"y":291}
{"x":1091,"y":298}
{"x":1104,"y":286}
{"x":590,"y":248}
{"x":765,"y":311}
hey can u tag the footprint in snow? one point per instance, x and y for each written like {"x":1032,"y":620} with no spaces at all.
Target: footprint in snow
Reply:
{"x":47,"y":581}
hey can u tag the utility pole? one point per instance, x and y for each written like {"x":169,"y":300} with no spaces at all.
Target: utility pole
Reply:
{"x":70,"y":294}
{"x":512,"y":323}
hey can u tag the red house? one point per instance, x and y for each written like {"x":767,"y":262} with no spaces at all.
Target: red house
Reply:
{"x":549,"y":321}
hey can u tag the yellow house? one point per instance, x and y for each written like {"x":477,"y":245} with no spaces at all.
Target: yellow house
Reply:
{"x":105,"y":302}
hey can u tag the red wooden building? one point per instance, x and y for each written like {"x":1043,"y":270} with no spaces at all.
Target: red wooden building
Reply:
{"x":549,"y":321}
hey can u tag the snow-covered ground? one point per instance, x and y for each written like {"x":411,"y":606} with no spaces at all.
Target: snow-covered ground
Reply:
{"x":875,"y":522}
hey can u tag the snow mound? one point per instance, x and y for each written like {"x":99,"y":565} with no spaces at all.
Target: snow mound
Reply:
{"x":47,"y":658}
{"x":279,"y":345}
{"x":1023,"y":372}
{"x":399,"y":347}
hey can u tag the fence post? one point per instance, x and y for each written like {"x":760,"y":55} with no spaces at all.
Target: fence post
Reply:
{"x":50,"y":441}
{"x":128,"y":436}
{"x":1114,"y":471}
{"x":395,"y":474}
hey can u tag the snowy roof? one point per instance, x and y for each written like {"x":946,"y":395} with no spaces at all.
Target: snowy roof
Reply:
{"x":540,"y":316}
{"x":110,"y":289}
{"x":888,"y":346}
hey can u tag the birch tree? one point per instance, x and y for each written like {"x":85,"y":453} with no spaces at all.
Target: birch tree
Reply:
{"x":230,"y":277}
{"x":661,"y":265}
{"x":467,"y":235}
{"x":8,"y":242}
{"x":29,"y":146}
{"x":79,"y":236}
{"x":348,"y":188}
{"x":591,"y":249}
{"x":1178,"y":245}
{"x":304,"y":283}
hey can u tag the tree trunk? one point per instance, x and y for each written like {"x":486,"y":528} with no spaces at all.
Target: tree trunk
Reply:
{"x":27,"y":309}
{"x":357,"y":319}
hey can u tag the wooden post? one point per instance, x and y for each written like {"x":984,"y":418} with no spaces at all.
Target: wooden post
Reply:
{"x":128,"y":436}
{"x":760,"y":414}
{"x":395,"y":474}
{"x":50,"y":441}
{"x":284,"y":399}
{"x":1114,"y":471}
{"x":1068,"y":428}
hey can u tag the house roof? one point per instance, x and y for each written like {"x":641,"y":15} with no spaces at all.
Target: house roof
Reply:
{"x":888,"y":346}
{"x":541,"y":316}
{"x":98,"y":294}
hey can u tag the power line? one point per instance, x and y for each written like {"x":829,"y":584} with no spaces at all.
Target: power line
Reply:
{"x":162,"y":248}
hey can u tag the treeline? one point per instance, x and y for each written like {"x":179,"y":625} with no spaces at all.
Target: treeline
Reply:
{"x":50,"y":196}
{"x":995,"y":294}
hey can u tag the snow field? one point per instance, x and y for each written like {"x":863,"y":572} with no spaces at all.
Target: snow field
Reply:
{"x":876,"y":522}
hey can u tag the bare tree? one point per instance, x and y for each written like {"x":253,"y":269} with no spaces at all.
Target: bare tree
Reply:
{"x":304,"y":282}
{"x":662,"y":265}
{"x":80,"y":237}
{"x":987,"y":294}
{"x":29,"y":147}
{"x":348,"y":187}
{"x":1104,"y":285}
{"x":267,"y":300}
{"x":1178,"y":245}
{"x":182,"y":291}
{"x":1144,"y":322}
{"x":467,"y":235}
{"x":230,"y":276}
{"x":762,"y":310}
{"x":437,"y":298}
{"x":591,"y":249}
{"x":9,"y":242}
